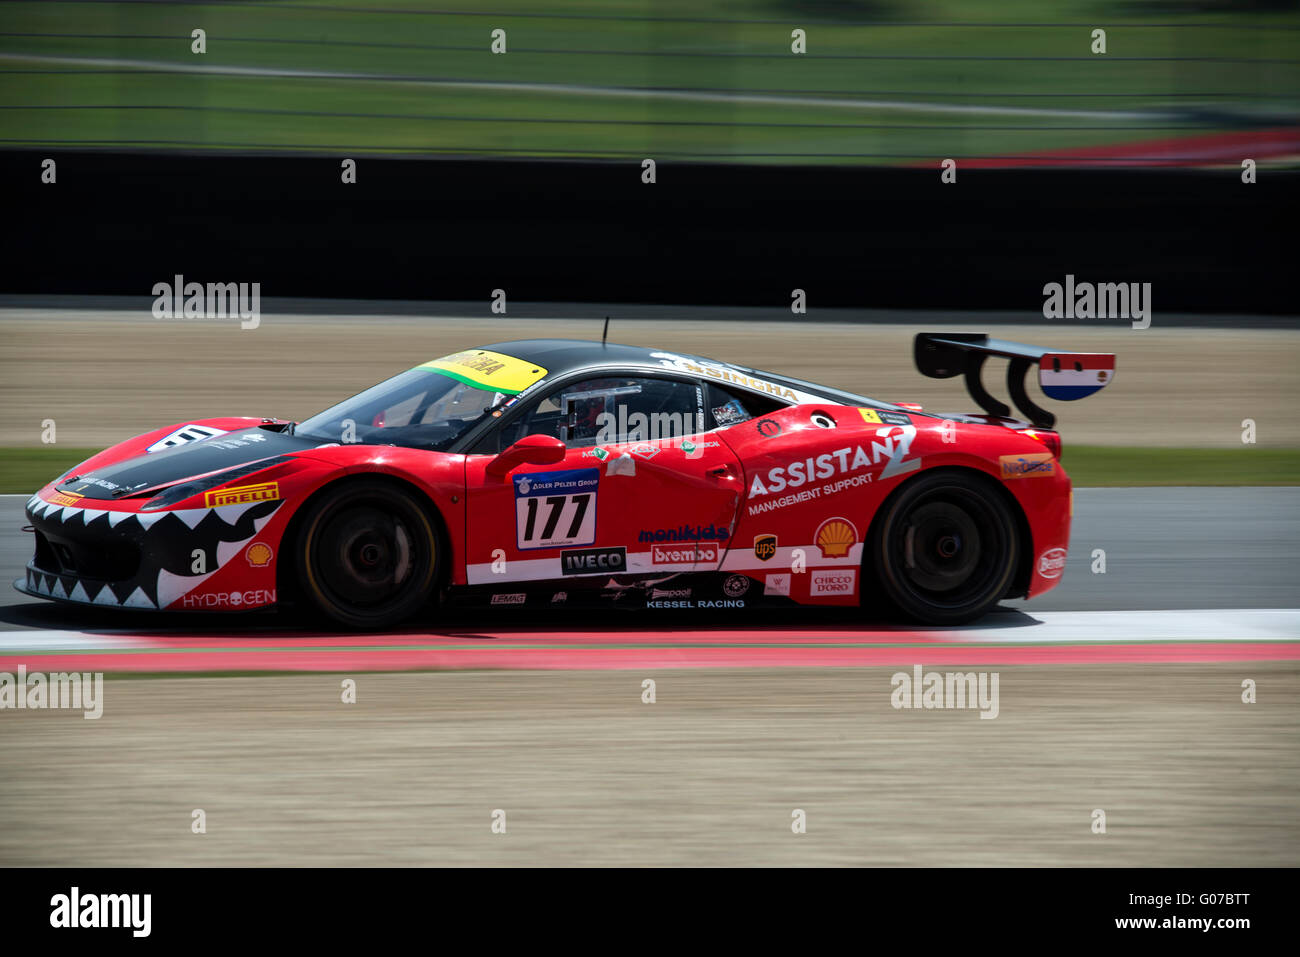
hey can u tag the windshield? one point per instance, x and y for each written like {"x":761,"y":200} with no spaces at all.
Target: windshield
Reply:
{"x":428,"y":407}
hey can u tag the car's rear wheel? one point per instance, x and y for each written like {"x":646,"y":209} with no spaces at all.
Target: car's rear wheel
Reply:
{"x":945,"y":547}
{"x":367,"y":554}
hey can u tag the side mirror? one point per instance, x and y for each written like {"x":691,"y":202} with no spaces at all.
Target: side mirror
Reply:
{"x":530,"y":450}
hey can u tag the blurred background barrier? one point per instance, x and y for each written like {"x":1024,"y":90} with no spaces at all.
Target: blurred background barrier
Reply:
{"x":859,"y":238}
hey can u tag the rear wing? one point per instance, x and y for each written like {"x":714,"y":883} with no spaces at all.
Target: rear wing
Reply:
{"x":1061,"y":375}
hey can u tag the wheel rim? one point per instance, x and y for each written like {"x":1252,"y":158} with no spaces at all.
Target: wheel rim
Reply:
{"x":950,"y":547}
{"x":369,"y":556}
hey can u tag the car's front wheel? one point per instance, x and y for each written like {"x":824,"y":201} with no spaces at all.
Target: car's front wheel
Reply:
{"x":945,"y":547}
{"x":367,"y":555}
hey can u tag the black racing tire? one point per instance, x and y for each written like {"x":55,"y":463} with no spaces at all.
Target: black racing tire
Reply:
{"x":944,"y":547}
{"x":367,"y":554}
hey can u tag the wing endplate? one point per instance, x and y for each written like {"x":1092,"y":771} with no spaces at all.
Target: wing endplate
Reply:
{"x":1065,"y":376}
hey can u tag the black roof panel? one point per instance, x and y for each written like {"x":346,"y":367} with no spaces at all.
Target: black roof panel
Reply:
{"x":561,"y":356}
{"x":558,"y":356}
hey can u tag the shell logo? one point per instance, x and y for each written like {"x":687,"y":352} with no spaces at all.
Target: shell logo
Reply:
{"x":259,"y":554}
{"x":835,"y":537}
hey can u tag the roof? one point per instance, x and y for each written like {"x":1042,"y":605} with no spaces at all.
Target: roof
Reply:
{"x":559,"y":356}
{"x":562,"y":356}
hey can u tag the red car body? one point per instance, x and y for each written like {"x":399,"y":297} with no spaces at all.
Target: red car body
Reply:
{"x":777,"y":507}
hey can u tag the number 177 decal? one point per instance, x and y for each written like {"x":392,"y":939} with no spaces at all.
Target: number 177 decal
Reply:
{"x":554,"y":509}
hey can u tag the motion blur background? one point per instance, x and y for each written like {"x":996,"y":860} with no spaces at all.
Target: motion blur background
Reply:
{"x":523,"y":169}
{"x":891,"y":82}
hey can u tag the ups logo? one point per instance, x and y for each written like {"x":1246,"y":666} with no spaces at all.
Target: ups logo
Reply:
{"x":764,"y":547}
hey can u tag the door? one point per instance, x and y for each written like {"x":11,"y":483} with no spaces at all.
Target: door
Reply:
{"x":641,"y":494}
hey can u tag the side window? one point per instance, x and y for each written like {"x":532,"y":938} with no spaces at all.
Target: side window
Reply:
{"x":726,"y":407}
{"x":614,"y":409}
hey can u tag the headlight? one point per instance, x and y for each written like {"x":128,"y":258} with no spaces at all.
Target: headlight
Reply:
{"x":179,"y":493}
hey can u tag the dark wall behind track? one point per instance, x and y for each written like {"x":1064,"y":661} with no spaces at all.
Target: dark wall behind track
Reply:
{"x":441,"y":229}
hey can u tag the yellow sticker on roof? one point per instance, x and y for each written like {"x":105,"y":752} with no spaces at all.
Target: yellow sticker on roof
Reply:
{"x":488,"y":370}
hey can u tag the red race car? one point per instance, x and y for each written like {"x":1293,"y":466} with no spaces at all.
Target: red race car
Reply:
{"x":555,"y":472}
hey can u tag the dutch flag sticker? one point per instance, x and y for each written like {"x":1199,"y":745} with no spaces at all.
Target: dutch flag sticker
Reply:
{"x":1074,"y":375}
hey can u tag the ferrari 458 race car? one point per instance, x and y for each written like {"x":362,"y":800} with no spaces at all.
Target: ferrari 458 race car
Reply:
{"x":555,"y":472}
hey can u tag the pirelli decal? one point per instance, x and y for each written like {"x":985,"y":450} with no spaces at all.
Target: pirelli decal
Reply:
{"x":63,"y":498}
{"x":242,"y":494}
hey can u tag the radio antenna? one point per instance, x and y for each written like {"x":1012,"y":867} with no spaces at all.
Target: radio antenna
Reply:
{"x":605,"y":335}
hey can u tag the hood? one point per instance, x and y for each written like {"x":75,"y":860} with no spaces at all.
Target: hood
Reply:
{"x":151,"y":470}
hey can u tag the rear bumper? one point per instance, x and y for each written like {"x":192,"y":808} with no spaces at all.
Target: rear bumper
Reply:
{"x":1049,"y":507}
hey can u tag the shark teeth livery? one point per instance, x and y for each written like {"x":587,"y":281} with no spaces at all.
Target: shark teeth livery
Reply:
{"x":164,"y":545}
